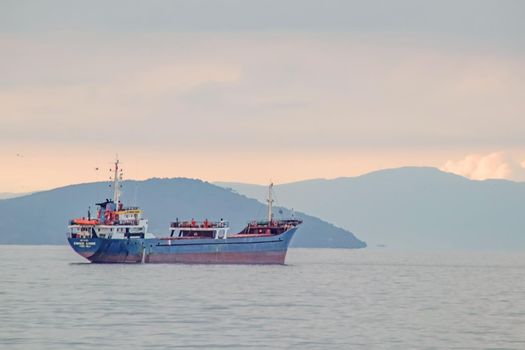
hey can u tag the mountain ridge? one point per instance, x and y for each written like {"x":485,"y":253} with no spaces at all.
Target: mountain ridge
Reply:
{"x":413,"y":207}
{"x":41,"y":217}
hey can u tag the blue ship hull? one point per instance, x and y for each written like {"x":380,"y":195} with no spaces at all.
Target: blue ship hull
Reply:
{"x":232,"y":250}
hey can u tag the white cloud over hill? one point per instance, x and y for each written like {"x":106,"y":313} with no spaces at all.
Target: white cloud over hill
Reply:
{"x":495,"y":165}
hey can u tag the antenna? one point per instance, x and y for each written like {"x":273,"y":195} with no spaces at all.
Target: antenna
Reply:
{"x":116,"y":178}
{"x":270,"y":202}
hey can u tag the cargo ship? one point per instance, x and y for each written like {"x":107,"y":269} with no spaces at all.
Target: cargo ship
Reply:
{"x":119,"y":234}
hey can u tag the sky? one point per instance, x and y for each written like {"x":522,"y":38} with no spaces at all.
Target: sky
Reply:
{"x":253,"y":91}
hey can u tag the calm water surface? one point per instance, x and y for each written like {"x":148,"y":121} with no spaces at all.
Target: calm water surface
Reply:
{"x":323,"y":299}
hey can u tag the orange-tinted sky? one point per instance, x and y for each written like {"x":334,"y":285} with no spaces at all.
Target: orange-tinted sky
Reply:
{"x":227,"y":90}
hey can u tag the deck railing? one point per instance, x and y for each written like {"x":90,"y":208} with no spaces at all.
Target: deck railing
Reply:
{"x":199,"y":224}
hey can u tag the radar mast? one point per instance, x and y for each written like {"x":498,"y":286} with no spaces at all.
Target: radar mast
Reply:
{"x":270,"y":202}
{"x":116,"y":186}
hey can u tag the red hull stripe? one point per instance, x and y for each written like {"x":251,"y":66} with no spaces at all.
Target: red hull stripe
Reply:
{"x":272,"y":257}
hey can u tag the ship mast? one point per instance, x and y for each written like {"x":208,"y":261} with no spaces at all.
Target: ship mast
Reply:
{"x":270,"y":202}
{"x":116,"y":188}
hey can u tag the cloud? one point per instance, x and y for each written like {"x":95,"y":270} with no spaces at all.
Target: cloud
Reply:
{"x":496,"y":165}
{"x":494,"y":22}
{"x":334,"y":92}
{"x":335,"y":104}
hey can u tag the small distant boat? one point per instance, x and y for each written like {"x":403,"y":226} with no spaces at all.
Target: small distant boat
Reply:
{"x":120,"y":234}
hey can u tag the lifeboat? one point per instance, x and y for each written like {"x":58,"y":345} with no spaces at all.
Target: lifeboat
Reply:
{"x":83,"y":222}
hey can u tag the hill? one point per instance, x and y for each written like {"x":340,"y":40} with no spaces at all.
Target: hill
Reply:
{"x":7,"y":195}
{"x":413,"y":208}
{"x":41,"y":218}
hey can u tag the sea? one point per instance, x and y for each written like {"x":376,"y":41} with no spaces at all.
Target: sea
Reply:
{"x":50,"y":298}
